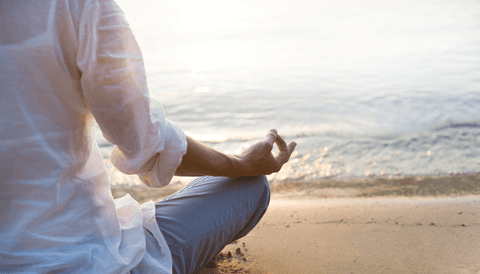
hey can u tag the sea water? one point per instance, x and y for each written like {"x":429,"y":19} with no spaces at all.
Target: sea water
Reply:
{"x":366,"y":88}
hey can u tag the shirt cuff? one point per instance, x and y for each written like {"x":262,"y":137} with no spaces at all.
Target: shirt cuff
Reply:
{"x":168,"y":160}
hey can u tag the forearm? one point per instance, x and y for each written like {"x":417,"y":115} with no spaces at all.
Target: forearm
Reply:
{"x":258,"y":159}
{"x":201,"y":160}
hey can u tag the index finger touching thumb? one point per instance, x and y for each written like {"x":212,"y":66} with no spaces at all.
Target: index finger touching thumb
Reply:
{"x":271,"y":136}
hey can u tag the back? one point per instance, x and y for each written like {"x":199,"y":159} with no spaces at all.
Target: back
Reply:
{"x":56,"y":209}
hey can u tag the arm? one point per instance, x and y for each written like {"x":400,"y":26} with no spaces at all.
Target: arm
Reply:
{"x":114,"y":86}
{"x":256,"y":160}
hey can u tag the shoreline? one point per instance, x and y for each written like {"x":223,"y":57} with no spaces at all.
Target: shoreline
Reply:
{"x":409,"y":186}
{"x":355,"y":188}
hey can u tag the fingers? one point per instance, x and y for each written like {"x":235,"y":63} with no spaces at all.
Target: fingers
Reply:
{"x":291,"y":147}
{"x":281,"y":144}
{"x":284,"y":150}
{"x":271,"y":136}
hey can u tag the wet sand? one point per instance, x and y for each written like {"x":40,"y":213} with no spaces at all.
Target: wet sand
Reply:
{"x":404,"y":225}
{"x":428,"y":186}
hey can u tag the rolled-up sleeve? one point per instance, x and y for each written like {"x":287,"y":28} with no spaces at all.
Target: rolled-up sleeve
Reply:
{"x":113,"y":82}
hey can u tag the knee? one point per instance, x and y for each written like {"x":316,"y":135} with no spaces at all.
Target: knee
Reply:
{"x":263,"y":182}
{"x":261,"y":188}
{"x":256,"y":188}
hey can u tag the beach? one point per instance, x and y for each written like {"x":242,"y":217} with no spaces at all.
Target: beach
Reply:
{"x":413,"y":225}
{"x":373,"y":235}
{"x":385,"y":112}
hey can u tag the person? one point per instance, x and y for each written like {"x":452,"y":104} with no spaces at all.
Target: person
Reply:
{"x":64,"y":65}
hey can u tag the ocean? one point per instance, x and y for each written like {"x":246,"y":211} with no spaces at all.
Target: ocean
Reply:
{"x":368,"y":89}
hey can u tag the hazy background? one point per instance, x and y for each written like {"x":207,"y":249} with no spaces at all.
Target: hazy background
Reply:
{"x":366,"y":88}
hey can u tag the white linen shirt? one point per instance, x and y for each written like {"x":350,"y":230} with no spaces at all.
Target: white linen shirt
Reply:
{"x":63,"y":65}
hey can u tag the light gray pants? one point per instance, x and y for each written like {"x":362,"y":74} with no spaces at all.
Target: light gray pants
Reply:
{"x":199,"y":220}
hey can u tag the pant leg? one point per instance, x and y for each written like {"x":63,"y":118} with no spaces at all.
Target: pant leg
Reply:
{"x":199,"y":220}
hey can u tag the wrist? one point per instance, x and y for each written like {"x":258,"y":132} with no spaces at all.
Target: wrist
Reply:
{"x":237,"y":166}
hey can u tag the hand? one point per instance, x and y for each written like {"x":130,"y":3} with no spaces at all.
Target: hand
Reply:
{"x":259,"y":160}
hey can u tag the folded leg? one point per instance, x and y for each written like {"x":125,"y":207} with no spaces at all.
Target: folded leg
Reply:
{"x":199,"y":220}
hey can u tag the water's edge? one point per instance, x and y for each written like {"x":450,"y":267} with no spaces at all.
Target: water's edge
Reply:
{"x":428,"y":186}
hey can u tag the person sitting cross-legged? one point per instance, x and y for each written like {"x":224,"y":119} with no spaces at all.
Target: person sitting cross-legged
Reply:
{"x":64,"y":65}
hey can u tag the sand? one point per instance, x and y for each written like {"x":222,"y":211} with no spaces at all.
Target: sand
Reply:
{"x":428,"y":186}
{"x":404,"y":225}
{"x":371,"y":235}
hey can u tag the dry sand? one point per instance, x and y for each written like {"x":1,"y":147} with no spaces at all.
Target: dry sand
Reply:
{"x":371,"y":235}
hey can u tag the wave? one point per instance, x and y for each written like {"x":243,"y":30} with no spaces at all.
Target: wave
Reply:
{"x":312,"y":133}
{"x":455,"y":125}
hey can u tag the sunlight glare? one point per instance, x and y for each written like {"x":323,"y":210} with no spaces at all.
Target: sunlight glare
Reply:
{"x":207,"y":56}
{"x":209,"y":16}
{"x":202,"y":89}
